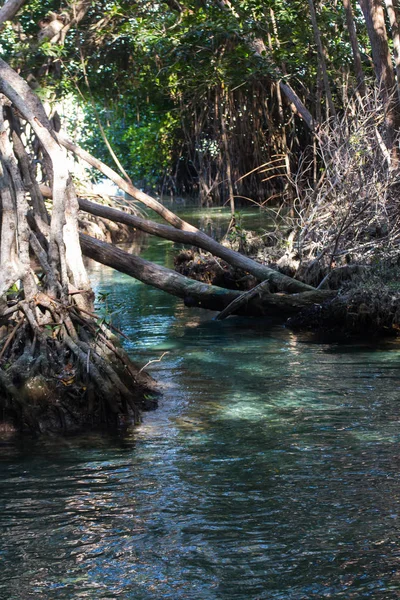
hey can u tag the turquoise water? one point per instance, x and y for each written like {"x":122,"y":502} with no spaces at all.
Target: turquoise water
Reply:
{"x":270,"y":470}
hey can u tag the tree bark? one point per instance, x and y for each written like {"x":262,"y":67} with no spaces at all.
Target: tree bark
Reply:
{"x":24,"y":100}
{"x":393,"y":13}
{"x":376,"y":28}
{"x":296,"y":104}
{"x":355,"y":47}
{"x":10,"y":9}
{"x":259,"y":271}
{"x":10,"y":268}
{"x":243,"y":299}
{"x":53,"y":339}
{"x":27,"y":171}
{"x":194,"y":292}
{"x":200,"y":240}
{"x":20,"y":208}
{"x":127,"y":187}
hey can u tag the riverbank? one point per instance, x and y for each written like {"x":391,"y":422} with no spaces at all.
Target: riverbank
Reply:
{"x":366,"y":299}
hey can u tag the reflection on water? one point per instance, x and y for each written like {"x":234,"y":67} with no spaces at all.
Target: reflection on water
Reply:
{"x":270,"y":471}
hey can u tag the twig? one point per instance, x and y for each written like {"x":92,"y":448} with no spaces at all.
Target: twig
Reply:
{"x":11,"y":337}
{"x":245,"y":297}
{"x":88,"y":362}
{"x":153,"y":361}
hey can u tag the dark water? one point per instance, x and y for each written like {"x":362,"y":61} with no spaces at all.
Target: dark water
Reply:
{"x":270,"y":471}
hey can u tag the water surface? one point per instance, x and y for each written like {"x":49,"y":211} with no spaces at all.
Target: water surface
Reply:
{"x":269,"y":472}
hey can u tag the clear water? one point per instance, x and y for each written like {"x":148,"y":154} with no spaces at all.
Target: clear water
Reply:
{"x":270,"y":471}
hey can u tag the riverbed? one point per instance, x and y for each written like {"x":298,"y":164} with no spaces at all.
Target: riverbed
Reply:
{"x":270,"y":470}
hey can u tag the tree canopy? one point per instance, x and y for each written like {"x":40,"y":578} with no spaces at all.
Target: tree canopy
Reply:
{"x":195,"y":95}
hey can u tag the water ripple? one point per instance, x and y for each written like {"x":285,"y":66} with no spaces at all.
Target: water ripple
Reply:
{"x":270,"y":472}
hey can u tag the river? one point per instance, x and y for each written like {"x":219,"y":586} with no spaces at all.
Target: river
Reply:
{"x":270,"y":470}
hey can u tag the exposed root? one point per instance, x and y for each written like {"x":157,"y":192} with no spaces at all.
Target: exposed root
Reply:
{"x":206,"y":268}
{"x":60,"y":371}
{"x":10,"y":338}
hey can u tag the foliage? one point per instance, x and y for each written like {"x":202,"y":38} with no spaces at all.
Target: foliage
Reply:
{"x":146,"y":142}
{"x":163,"y":76}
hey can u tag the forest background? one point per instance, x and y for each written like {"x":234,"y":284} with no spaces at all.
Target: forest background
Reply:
{"x":196,"y":95}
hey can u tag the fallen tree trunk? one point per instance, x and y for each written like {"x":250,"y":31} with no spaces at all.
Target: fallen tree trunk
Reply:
{"x":260,"y":271}
{"x":195,"y":293}
{"x":200,"y":240}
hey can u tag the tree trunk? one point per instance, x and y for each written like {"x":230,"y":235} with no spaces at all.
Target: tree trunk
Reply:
{"x":354,"y":46}
{"x":200,"y":240}
{"x":321,"y":55}
{"x":127,"y":187}
{"x":296,"y":104}
{"x":27,"y":168}
{"x":392,"y":10}
{"x":19,"y":207}
{"x":58,"y":368}
{"x":22,"y":97}
{"x":195,"y":293}
{"x":376,"y":28}
{"x":10,"y":9}
{"x":227,"y":158}
{"x":10,"y":268}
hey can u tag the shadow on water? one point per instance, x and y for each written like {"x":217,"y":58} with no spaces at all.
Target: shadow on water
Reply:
{"x":270,"y":471}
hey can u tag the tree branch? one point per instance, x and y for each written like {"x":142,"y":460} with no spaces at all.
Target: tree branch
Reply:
{"x":9,"y":10}
{"x":200,"y":240}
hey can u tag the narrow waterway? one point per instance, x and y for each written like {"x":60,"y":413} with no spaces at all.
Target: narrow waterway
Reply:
{"x":270,"y":470}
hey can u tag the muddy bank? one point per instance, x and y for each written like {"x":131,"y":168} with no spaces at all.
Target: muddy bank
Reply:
{"x":361,"y":312}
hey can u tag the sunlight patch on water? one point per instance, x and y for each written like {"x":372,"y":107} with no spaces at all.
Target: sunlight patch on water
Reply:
{"x":247,"y":408}
{"x":378,"y":436}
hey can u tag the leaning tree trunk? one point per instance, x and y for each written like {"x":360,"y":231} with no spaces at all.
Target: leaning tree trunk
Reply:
{"x":199,"y":239}
{"x":196,"y":293}
{"x":58,"y":368}
{"x":185,"y":233}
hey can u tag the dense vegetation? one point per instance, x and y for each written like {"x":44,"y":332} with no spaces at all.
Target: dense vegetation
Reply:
{"x":228,"y":101}
{"x":193,"y":95}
